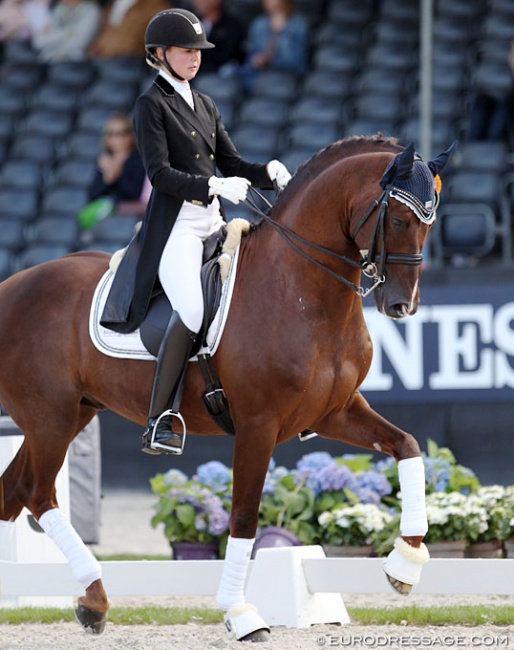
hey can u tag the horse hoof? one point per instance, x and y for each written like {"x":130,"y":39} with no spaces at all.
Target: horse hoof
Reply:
{"x":91,"y":620}
{"x":400,"y":587}
{"x":258,"y":636}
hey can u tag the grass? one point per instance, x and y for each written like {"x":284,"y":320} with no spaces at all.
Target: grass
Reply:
{"x":414,"y":616}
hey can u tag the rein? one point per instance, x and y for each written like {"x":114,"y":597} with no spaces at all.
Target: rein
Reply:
{"x":370,"y":269}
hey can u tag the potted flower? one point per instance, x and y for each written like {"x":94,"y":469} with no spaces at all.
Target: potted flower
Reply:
{"x":350,"y":530}
{"x":194,"y":515}
{"x":286,"y":512}
{"x":497,"y":504}
{"x":454,"y":519}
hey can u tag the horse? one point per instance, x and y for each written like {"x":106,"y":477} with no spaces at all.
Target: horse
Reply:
{"x":292,"y":357}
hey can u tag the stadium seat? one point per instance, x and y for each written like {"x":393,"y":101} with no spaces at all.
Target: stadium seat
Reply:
{"x":63,"y":201}
{"x":84,"y":145}
{"x":20,"y":204}
{"x":6,"y":263}
{"x":317,"y":109}
{"x":72,"y":74}
{"x":21,"y":174}
{"x":49,"y":123}
{"x":36,"y":147}
{"x":55,"y":97}
{"x":265,"y":111}
{"x":257,"y":139}
{"x":75,"y":172}
{"x":93,"y":118}
{"x":327,"y":83}
{"x":12,"y":234}
{"x":312,"y":136}
{"x":39,"y":253}
{"x":114,"y":95}
{"x":463,"y":229}
{"x":275,"y":83}
{"x":118,"y":228}
{"x":220,"y":88}
{"x":54,"y":230}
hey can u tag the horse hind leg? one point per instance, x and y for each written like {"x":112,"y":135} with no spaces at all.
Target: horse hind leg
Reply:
{"x":30,"y":479}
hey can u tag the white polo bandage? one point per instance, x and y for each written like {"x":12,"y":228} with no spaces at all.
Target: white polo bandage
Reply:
{"x":411,"y":472}
{"x":237,"y":558}
{"x":84,"y":565}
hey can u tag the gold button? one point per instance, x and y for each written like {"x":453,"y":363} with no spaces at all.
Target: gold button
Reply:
{"x":213,"y":135}
{"x":197,"y":155}
{"x":211,"y":156}
{"x":193,"y":133}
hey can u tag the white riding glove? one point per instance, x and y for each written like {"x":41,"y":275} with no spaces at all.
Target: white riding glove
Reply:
{"x":277,"y":171}
{"x":233,"y":188}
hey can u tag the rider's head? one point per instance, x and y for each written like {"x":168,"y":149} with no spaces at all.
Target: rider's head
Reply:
{"x":173,"y":28}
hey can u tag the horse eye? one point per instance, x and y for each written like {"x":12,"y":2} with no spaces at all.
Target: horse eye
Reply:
{"x":399,"y":223}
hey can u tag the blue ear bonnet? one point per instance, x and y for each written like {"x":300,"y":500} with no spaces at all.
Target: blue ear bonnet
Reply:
{"x":417,"y":190}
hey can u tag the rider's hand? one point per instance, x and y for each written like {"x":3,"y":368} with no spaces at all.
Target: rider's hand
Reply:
{"x":277,"y":171}
{"x":233,"y":188}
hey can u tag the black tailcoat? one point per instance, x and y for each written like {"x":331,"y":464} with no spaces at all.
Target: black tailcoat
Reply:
{"x":180,"y":149}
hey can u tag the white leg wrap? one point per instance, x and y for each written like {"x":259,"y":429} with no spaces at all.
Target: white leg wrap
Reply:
{"x":237,"y":558}
{"x":404,"y":562}
{"x":243,"y":620}
{"x":6,"y":541}
{"x":411,"y":473}
{"x":85,"y":567}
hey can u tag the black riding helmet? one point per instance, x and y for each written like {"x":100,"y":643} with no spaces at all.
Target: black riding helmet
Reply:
{"x":177,"y":27}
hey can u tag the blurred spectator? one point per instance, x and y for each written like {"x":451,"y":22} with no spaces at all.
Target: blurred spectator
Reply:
{"x":222,"y":29}
{"x":70,"y":28}
{"x":278,"y":39}
{"x":491,"y":114}
{"x":21,"y":19}
{"x":124,"y":22}
{"x":120,"y":173}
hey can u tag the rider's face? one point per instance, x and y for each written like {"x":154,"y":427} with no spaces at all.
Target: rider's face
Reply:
{"x":185,"y":62}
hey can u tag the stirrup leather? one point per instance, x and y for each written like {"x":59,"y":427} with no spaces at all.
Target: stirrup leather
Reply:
{"x":154,"y":444}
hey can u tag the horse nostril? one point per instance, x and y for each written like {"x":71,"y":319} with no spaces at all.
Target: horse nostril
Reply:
{"x":401,"y":309}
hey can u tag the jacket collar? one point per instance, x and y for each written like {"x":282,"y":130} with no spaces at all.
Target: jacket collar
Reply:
{"x":199,"y":118}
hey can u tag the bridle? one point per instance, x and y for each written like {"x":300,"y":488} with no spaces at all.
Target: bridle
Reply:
{"x":372,"y":263}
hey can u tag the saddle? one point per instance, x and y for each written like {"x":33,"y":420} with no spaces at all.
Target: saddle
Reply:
{"x":214,"y":270}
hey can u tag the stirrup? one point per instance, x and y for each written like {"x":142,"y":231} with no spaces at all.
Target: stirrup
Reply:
{"x":307,"y":434}
{"x":157,"y":446}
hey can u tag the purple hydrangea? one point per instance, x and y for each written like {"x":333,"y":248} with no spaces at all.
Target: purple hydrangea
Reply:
{"x":336,"y":477}
{"x":374,"y":481}
{"x":214,"y":474}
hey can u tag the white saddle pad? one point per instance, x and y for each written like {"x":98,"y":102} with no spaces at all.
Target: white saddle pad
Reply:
{"x":130,"y":346}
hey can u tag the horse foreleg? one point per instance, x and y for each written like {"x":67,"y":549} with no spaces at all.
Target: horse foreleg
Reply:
{"x":358,"y":424}
{"x":251,"y":460}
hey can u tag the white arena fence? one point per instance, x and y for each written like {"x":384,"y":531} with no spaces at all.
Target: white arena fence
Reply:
{"x":291,"y":586}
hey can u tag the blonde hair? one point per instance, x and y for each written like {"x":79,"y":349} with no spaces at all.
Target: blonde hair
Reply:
{"x":117,"y":116}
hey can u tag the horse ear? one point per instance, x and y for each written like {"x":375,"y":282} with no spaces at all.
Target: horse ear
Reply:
{"x":399,"y":167}
{"x":438,"y":164}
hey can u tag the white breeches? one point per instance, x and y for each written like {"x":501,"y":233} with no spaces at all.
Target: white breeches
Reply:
{"x":181,"y":261}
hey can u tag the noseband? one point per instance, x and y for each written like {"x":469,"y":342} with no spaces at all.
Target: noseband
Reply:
{"x":372,"y":264}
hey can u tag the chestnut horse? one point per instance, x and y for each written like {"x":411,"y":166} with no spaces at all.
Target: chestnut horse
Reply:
{"x":293,"y":355}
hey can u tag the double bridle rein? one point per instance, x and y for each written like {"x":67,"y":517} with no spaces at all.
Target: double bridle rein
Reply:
{"x":372,"y":264}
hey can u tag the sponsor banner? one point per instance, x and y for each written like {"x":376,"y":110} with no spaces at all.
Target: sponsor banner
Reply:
{"x":459,"y":346}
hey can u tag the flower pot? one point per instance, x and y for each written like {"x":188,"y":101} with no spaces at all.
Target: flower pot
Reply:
{"x":274,"y":537}
{"x":449,"y":549}
{"x":346,"y":550}
{"x":194,"y":551}
{"x":508,"y":547}
{"x":491,"y":549}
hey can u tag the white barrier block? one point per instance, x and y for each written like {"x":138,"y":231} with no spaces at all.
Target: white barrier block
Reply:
{"x":26,"y":542}
{"x":277,"y":587}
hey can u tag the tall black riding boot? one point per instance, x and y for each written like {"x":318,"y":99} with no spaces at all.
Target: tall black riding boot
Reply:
{"x":172,"y":361}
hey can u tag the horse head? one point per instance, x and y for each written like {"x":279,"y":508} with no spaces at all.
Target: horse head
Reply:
{"x":406,"y":210}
